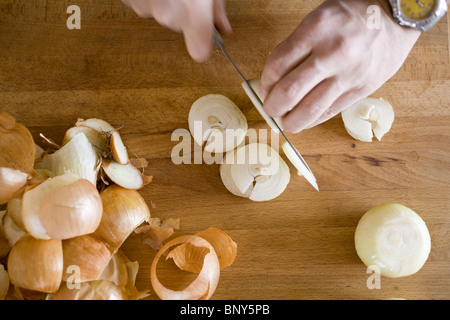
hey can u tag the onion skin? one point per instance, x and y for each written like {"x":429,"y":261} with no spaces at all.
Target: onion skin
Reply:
{"x":17,"y":148}
{"x":11,"y":182}
{"x":87,"y":252}
{"x":204,"y":286}
{"x":71,"y":211}
{"x":36,"y":264}
{"x":123,"y":211}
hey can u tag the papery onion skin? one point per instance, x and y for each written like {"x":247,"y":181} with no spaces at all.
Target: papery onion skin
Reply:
{"x":90,"y":254}
{"x":71,"y":211}
{"x":36,"y":264}
{"x":11,"y":182}
{"x":123,"y":211}
{"x":203,"y":287}
{"x":17,"y":148}
{"x":4,"y":282}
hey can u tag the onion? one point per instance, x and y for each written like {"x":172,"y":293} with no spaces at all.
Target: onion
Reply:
{"x":118,"y":150}
{"x":36,"y":264}
{"x":127,"y":176}
{"x":61,"y":208}
{"x":368,"y":115}
{"x":216,"y":120}
{"x":255,"y":171}
{"x":207,"y":280}
{"x":394,"y":238}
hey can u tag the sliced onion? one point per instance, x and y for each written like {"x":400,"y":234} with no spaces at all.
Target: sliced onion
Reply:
{"x":368,"y":115}
{"x":126,"y":176}
{"x":223,"y":125}
{"x":207,"y":280}
{"x":255,"y":171}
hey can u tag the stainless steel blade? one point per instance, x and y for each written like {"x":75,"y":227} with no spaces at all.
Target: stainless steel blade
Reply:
{"x":221,"y":45}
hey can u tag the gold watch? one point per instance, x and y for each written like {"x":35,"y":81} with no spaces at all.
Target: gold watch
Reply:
{"x":418,"y":14}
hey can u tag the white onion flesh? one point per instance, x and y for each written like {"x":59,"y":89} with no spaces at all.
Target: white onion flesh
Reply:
{"x":367,"y":117}
{"x":255,"y":171}
{"x":216,"y":121}
{"x":394,"y":238}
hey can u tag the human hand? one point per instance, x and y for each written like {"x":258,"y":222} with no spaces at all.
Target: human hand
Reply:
{"x":194,"y":18}
{"x":332,"y":60}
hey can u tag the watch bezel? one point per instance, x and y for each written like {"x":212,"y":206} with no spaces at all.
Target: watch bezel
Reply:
{"x":424,"y":24}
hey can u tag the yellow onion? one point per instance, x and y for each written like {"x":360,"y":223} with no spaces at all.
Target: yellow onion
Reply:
{"x":90,"y":254}
{"x":205,"y":283}
{"x":123,"y":211}
{"x":36,"y":264}
{"x":61,"y":208}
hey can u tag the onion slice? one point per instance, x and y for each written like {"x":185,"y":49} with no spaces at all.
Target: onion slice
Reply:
{"x":216,"y":120}
{"x":368,"y":115}
{"x":255,"y":171}
{"x":126,"y":176}
{"x":207,"y":280}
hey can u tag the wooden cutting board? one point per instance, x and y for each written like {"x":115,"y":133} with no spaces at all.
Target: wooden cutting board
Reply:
{"x":138,"y":76}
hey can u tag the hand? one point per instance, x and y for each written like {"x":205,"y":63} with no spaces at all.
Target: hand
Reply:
{"x":194,"y":18}
{"x":332,"y":60}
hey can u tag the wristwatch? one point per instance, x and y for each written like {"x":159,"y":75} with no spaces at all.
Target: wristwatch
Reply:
{"x":418,"y":14}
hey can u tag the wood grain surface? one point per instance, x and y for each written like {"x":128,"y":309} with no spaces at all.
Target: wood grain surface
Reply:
{"x":138,"y":76}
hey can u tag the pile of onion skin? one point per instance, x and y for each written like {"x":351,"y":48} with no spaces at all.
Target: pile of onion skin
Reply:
{"x":66,"y":211}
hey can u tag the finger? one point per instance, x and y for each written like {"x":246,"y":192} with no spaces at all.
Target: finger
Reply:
{"x":313,"y":106}
{"x":292,"y":88}
{"x":198,"y":32}
{"x":342,"y":103}
{"x":220,"y":17}
{"x":286,"y":56}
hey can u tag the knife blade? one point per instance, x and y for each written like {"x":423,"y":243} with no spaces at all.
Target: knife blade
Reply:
{"x":309,"y":176}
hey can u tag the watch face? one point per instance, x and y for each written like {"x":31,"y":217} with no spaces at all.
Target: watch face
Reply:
{"x":417,"y":9}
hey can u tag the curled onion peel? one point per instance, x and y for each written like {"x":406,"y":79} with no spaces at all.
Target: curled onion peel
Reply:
{"x":205,"y":283}
{"x":366,"y":116}
{"x":4,"y":282}
{"x":189,"y":257}
{"x":394,"y":238}
{"x":215,"y":120}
